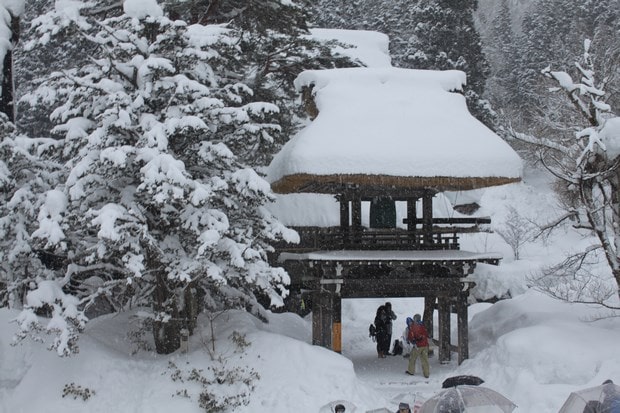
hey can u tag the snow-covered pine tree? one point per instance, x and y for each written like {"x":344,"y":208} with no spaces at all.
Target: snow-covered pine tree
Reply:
{"x":445,"y":37}
{"x":27,"y":172}
{"x":501,"y":48}
{"x":275,"y":48}
{"x":156,"y":209}
{"x":587,"y":163}
{"x":386,"y":16}
{"x":337,"y":14}
{"x":64,"y":49}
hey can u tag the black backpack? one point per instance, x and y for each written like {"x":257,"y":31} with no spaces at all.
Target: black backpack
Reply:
{"x":398,"y":348}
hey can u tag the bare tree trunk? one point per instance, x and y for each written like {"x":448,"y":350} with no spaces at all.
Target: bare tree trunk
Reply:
{"x":167,"y":323}
{"x":596,"y":213}
{"x":615,"y":211}
{"x":191,"y":307}
{"x":166,"y":331}
{"x":7,"y":104}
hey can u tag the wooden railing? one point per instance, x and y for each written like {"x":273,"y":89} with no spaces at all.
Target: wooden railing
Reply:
{"x":333,"y":238}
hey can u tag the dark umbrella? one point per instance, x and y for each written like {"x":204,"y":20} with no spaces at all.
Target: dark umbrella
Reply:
{"x":599,"y":399}
{"x":460,"y":381}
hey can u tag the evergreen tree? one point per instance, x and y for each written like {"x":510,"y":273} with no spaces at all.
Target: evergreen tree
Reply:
{"x":275,"y":47}
{"x":501,"y":49}
{"x":27,"y":172}
{"x":344,"y":14}
{"x":64,"y":49}
{"x":155,"y":205}
{"x":272,"y":38}
{"x":444,"y":37}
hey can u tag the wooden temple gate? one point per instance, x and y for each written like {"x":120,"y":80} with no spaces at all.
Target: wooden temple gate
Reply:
{"x":352,"y":261}
{"x":386,"y":136}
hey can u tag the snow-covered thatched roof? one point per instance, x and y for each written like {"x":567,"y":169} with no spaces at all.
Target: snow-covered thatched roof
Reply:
{"x":392,"y":127}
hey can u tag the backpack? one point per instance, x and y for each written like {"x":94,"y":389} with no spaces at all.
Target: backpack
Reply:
{"x":372,"y":331}
{"x":398,"y":348}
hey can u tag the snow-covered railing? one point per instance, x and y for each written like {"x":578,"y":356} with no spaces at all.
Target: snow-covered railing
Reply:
{"x":333,"y":238}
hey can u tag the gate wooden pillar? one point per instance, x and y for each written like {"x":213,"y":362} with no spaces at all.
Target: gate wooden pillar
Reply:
{"x":444,"y":329}
{"x":356,"y":221}
{"x":463,"y":326}
{"x":427,"y":217}
{"x":322,"y":318}
{"x":345,"y":227}
{"x":327,"y":315}
{"x":337,"y":324}
{"x":429,"y":309}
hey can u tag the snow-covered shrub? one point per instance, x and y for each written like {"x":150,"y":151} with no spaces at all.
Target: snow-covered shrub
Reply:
{"x":77,"y":392}
{"x":516,"y":230}
{"x":218,"y":388}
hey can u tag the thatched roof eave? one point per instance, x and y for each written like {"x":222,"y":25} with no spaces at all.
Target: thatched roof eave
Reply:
{"x":335,"y":183}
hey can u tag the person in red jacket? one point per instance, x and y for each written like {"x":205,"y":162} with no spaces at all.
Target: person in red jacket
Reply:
{"x":418,"y":338}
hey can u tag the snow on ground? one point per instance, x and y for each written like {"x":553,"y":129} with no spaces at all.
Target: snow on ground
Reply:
{"x":531,"y":348}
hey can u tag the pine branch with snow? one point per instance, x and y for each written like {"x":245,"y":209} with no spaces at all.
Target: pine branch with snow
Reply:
{"x":27,"y":172}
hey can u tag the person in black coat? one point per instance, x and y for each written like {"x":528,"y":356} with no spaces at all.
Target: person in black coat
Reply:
{"x":390,"y":315}
{"x":381,"y":328}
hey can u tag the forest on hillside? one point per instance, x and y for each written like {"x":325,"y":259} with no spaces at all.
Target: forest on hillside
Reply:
{"x":502,"y":45}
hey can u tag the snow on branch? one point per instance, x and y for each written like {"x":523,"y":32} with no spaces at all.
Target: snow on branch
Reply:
{"x":65,"y":323}
{"x":588,"y":99}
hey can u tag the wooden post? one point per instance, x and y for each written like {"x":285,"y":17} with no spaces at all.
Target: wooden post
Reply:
{"x":444,"y":330}
{"x":429,"y":309}
{"x":356,"y":220}
{"x":316,"y":318}
{"x":427,"y":217}
{"x":411,"y":219}
{"x":337,"y":323}
{"x":344,"y":221}
{"x":463,"y":326}
{"x":322,"y":319}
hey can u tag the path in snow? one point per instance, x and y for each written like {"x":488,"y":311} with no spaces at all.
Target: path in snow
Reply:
{"x":388,"y":374}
